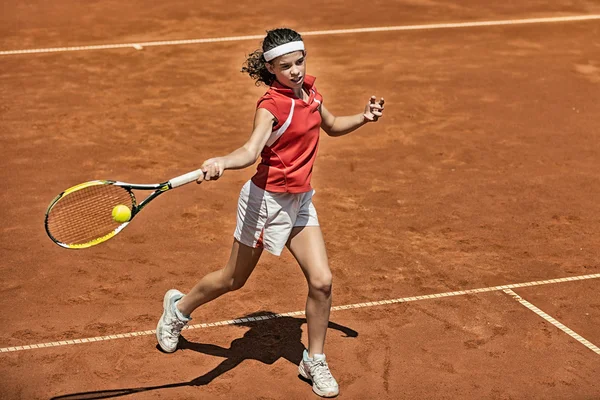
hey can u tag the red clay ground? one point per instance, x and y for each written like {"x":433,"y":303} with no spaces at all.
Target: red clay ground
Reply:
{"x":483,"y":172}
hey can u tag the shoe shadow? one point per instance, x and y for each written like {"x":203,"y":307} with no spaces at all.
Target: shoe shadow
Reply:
{"x":269,"y":338}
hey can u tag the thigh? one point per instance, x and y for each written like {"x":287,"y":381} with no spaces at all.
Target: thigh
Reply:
{"x":307,"y":245}
{"x":242,"y":260}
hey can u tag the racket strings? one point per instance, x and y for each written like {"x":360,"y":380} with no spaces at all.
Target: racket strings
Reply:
{"x":86,"y":214}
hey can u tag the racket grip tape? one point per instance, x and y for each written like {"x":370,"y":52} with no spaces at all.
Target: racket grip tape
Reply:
{"x":186,"y":178}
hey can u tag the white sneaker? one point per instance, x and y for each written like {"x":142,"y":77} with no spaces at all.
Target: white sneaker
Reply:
{"x":170,"y":325}
{"x":317,"y":370}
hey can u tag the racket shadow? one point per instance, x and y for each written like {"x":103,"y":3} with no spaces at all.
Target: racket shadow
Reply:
{"x":266,"y":341}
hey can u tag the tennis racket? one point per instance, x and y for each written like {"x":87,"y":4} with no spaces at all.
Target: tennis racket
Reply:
{"x":81,"y":216}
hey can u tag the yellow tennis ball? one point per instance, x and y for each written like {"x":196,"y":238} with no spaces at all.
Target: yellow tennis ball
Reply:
{"x":121,"y":213}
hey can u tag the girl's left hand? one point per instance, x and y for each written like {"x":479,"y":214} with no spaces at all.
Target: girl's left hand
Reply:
{"x":373,"y":110}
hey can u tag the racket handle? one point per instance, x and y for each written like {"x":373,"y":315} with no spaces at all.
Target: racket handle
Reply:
{"x":186,"y":178}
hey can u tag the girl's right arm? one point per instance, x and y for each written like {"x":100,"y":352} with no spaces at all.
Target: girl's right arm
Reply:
{"x":245,"y":155}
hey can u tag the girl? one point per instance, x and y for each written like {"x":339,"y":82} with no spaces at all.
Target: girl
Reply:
{"x":275,"y":207}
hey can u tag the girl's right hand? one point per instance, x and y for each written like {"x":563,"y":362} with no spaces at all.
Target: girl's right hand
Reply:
{"x":213,"y":169}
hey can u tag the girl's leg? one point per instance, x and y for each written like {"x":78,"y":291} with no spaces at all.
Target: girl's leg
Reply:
{"x":177,"y":307}
{"x":233,"y":276}
{"x":308,"y":247}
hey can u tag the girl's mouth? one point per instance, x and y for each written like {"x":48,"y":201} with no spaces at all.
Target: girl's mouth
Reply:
{"x":297,"y":79}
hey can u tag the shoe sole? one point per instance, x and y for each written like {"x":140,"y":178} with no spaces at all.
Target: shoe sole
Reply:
{"x":166,"y":303}
{"x":305,"y":375}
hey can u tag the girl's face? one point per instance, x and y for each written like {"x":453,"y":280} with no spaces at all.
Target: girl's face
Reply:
{"x":289,"y":69}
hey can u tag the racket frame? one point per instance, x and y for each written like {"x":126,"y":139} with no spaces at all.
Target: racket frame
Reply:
{"x":158,"y":189}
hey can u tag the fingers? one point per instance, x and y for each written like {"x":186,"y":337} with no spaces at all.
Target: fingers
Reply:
{"x":200,"y":178}
{"x":374,"y":109}
{"x":213,"y":169}
{"x":376,"y":106}
{"x":212,"y":172}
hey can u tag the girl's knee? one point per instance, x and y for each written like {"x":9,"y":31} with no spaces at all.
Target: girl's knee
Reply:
{"x":231,"y":283}
{"x":234,"y":284}
{"x":322,"y":283}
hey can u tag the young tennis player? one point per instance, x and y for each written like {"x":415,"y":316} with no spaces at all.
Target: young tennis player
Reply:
{"x":275,"y":206}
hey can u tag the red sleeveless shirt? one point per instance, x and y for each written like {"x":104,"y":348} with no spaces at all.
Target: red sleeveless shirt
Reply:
{"x":288,"y":157}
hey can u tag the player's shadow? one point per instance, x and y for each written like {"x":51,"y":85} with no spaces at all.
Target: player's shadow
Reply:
{"x":269,"y":338}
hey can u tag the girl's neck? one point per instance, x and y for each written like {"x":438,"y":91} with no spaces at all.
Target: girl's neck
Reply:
{"x":301,"y":93}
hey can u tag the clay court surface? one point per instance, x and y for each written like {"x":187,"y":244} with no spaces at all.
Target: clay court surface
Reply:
{"x":484,"y":172}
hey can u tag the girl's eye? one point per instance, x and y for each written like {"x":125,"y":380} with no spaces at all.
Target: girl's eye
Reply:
{"x":300,"y":61}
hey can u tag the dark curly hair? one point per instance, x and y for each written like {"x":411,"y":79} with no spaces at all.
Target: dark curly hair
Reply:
{"x":255,"y":64}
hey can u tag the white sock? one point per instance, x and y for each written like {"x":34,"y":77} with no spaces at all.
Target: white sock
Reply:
{"x":179,"y":313}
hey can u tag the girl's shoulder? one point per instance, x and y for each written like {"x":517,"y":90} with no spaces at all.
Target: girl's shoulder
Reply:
{"x":270,"y":102}
{"x":273,"y":96}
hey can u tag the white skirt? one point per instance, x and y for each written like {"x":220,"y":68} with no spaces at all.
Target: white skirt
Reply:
{"x":265,"y":219}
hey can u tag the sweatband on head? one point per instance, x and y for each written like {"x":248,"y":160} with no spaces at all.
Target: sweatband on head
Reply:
{"x":283,"y":49}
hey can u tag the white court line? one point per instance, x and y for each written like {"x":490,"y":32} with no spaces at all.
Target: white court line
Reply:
{"x":299,"y":313}
{"x":141,"y":45}
{"x":554,"y":322}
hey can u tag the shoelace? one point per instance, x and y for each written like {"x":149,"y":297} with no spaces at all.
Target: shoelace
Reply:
{"x":176,"y":327}
{"x":320,"y":371}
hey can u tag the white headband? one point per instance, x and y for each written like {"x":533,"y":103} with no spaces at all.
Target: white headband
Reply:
{"x":283,"y":49}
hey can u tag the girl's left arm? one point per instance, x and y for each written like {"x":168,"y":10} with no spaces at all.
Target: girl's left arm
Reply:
{"x":339,"y":126}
